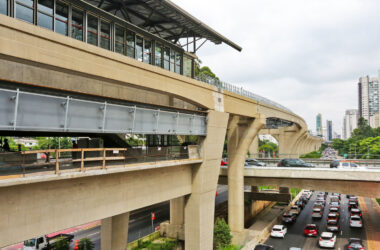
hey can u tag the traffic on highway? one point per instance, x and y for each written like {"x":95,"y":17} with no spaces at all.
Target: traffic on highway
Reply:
{"x":320,"y":220}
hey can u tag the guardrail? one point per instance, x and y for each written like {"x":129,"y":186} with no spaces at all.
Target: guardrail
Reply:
{"x":55,"y":161}
{"x":239,"y":91}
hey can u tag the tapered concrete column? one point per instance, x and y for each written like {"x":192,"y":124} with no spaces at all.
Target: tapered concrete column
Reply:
{"x":297,"y":146}
{"x":240,"y":136}
{"x":254,"y":148}
{"x":114,"y":232}
{"x":287,"y":138}
{"x":200,"y":205}
{"x":177,"y":212}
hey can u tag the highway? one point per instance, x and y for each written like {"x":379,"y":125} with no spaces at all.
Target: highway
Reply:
{"x":295,"y":237}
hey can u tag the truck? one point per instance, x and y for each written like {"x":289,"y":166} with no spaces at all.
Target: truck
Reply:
{"x":46,"y":242}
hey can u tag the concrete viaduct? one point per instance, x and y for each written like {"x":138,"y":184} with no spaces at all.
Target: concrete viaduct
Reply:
{"x":36,"y":58}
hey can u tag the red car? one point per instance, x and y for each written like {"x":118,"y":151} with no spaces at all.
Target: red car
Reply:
{"x":311,"y":230}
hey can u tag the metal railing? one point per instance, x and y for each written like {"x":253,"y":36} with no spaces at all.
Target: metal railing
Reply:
{"x":239,"y":91}
{"x":55,"y":161}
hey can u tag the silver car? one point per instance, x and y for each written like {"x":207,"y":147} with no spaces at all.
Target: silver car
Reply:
{"x":356,"y":221}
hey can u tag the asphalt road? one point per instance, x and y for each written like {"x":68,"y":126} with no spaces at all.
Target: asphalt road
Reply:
{"x":295,"y":237}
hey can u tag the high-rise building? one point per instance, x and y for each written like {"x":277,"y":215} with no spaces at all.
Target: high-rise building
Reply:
{"x":368,"y":88}
{"x":319,"y":124}
{"x":329,"y":130}
{"x":350,"y":122}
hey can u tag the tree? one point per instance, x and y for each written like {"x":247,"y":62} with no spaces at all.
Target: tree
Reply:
{"x":222,"y":234}
{"x":86,"y":244}
{"x":62,"y":244}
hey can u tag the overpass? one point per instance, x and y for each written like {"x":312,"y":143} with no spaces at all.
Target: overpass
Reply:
{"x":79,"y":62}
{"x":360,"y":182}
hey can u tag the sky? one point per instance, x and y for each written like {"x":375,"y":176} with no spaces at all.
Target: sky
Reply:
{"x":307,"y":55}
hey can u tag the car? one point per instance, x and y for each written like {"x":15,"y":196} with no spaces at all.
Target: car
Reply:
{"x":307,"y":194}
{"x":334,"y":210}
{"x":317,"y":213}
{"x":295,"y":248}
{"x":334,"y":198}
{"x":320,"y":200}
{"x":223,"y":162}
{"x":295,"y":210}
{"x":319,"y":205}
{"x":278,"y":231}
{"x":356,"y":211}
{"x":343,"y":164}
{"x":300,"y":204}
{"x":356,"y":221}
{"x":335,"y":204}
{"x":289,"y":162}
{"x":288,"y":217}
{"x":311,"y":230}
{"x":332,"y":226}
{"x":337,"y":194}
{"x":327,"y":240}
{"x":355,"y":244}
{"x":353,"y":204}
{"x":263,"y":247}
{"x":332,"y":216}
{"x":254,"y":162}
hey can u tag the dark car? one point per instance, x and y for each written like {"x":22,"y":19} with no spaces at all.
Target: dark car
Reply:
{"x":301,"y":204}
{"x":254,"y":162}
{"x":334,"y":164}
{"x":355,"y":244}
{"x":356,"y":211}
{"x":263,"y":247}
{"x":289,"y":218}
{"x":293,"y":163}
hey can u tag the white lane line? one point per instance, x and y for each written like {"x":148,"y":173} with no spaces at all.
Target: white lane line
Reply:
{"x":93,"y":234}
{"x":341,"y":233}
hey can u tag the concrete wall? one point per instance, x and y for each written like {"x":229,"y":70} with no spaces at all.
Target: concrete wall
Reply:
{"x":36,"y":209}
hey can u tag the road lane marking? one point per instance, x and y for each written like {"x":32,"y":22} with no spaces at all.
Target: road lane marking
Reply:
{"x":93,"y":234}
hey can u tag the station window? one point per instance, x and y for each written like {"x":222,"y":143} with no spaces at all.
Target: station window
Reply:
{"x":148,"y":51}
{"x":172,"y":60}
{"x":187,"y":66}
{"x":139,"y":48}
{"x":167,"y":58}
{"x":61,"y":17}
{"x":24,"y":10}
{"x":119,"y":40}
{"x":158,"y":54}
{"x":45,"y":13}
{"x":4,"y":7}
{"x":105,"y":35}
{"x":77,"y":24}
{"x":130,"y":44}
{"x":92,"y":30}
{"x":178,"y":58}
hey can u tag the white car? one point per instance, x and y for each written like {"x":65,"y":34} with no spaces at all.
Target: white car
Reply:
{"x":278,"y":231}
{"x":327,"y":240}
{"x":295,"y":210}
{"x":317,"y":213}
{"x":356,"y":221}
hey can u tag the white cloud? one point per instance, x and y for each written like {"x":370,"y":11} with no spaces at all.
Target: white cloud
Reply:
{"x":305,"y":54}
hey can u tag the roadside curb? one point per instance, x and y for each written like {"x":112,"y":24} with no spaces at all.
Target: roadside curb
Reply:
{"x":265,"y":232}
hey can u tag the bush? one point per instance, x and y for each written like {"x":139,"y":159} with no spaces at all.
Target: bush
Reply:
{"x":222,"y":234}
{"x":86,"y":244}
{"x":62,"y":244}
{"x":230,"y":247}
{"x":310,"y":155}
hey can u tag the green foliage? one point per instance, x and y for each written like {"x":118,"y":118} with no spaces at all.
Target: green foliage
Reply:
{"x":149,"y":245}
{"x":86,"y":244}
{"x":134,"y":141}
{"x":378,"y":201}
{"x":62,"y":244}
{"x":222,"y":234}
{"x":267,"y":146}
{"x":313,"y":154}
{"x":294,"y":192}
{"x":230,"y":247}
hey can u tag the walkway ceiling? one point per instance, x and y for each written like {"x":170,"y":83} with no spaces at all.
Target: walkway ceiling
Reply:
{"x":162,"y":18}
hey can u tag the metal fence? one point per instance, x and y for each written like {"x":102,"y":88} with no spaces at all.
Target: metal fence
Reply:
{"x":239,"y":91}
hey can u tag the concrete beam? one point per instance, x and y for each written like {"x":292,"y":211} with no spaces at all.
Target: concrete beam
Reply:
{"x":268,"y":196}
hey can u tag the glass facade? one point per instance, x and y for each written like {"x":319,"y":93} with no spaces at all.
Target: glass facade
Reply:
{"x":77,"y":24}
{"x":99,"y":29}
{"x":148,"y":52}
{"x":105,"y":35}
{"x":139,"y":48}
{"x":158,"y":55}
{"x":24,"y":10}
{"x":130,"y":36}
{"x":92,"y":30}
{"x":45,"y":13}
{"x":61,"y":18}
{"x":4,"y":7}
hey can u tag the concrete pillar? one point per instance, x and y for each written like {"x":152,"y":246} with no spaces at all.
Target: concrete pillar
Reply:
{"x":200,"y":204}
{"x":297,"y":145}
{"x":114,"y":232}
{"x":287,"y":138}
{"x":254,"y":148}
{"x":177,"y":212}
{"x":240,"y":136}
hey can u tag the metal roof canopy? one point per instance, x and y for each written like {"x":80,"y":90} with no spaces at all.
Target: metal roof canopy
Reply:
{"x":164,"y":19}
